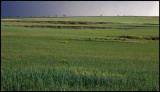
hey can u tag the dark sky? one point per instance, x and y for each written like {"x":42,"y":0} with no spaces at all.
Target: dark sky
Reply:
{"x":79,"y":8}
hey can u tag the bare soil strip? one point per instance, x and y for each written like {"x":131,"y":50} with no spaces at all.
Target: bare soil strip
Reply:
{"x":58,"y":22}
{"x":63,"y":27}
{"x":153,"y":16}
{"x":120,"y":38}
{"x":144,"y":38}
{"x":10,"y":34}
{"x":7,"y":34}
{"x":150,"y":24}
{"x":66,"y":27}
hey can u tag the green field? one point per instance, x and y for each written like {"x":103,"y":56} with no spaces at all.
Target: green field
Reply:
{"x":123,"y":56}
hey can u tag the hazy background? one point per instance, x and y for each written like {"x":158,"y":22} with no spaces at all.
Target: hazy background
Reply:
{"x":79,"y":8}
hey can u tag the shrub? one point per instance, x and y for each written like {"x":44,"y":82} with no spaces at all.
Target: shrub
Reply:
{"x":64,"y":41}
{"x":64,"y":60}
{"x":90,"y":38}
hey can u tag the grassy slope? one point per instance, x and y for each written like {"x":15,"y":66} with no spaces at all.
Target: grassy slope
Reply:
{"x":32,"y":56}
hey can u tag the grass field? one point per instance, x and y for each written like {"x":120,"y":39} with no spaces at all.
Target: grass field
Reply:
{"x":123,"y":56}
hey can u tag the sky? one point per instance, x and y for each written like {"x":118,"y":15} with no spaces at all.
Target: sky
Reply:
{"x":79,"y":8}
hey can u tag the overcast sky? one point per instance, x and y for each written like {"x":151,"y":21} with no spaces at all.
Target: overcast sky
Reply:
{"x":79,"y":8}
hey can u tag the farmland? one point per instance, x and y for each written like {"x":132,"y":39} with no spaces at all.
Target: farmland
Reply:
{"x":113,"y":53}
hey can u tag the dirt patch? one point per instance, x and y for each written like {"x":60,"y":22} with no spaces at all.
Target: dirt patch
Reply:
{"x":124,"y":28}
{"x":150,"y":24}
{"x":63,"y":27}
{"x":142,"y":38}
{"x":144,"y":26}
{"x":7,"y":34}
{"x":58,"y":22}
{"x":66,"y":27}
{"x":153,"y":16}
{"x":104,"y":39}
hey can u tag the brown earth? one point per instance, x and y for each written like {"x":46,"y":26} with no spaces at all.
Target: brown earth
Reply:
{"x":7,"y":34}
{"x":63,"y":27}
{"x":150,"y":24}
{"x":66,"y":27}
{"x":153,"y":16}
{"x":144,"y":38}
{"x":58,"y":22}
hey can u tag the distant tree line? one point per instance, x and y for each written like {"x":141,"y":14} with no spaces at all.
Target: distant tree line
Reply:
{"x":47,"y":16}
{"x":32,"y":16}
{"x":11,"y":16}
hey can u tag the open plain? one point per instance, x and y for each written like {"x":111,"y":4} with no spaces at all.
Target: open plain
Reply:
{"x":112,"y":53}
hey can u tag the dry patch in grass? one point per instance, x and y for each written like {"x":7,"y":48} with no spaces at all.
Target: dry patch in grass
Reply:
{"x":58,"y":22}
{"x":7,"y":34}
{"x":66,"y":27}
{"x":153,"y":16}
{"x":136,"y":37}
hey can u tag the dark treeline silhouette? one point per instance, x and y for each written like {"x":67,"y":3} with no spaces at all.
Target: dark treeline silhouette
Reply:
{"x":56,"y":16}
